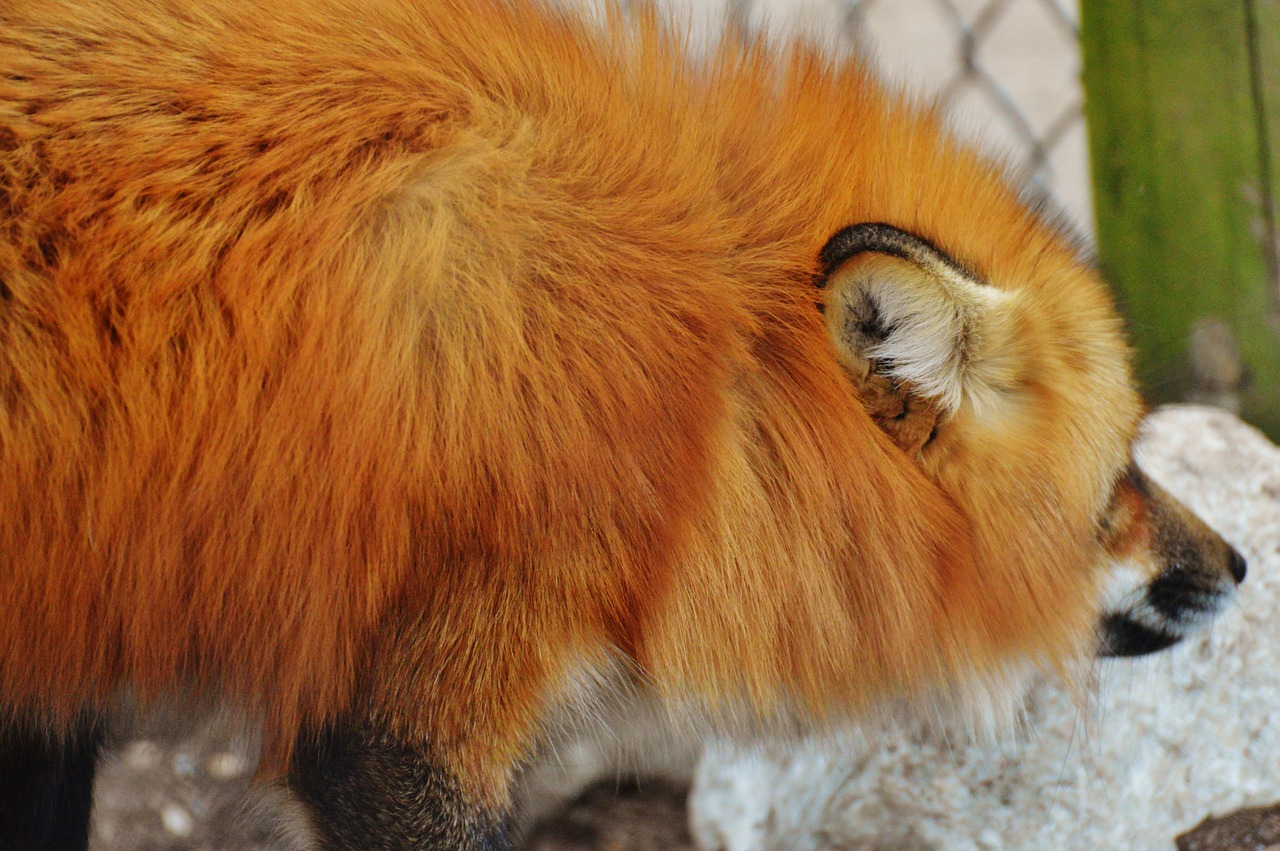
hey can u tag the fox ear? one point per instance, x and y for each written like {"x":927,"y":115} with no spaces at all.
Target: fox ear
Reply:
{"x":915,"y":328}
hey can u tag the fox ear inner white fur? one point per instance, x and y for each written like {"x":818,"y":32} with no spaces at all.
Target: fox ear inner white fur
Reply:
{"x":899,"y":307}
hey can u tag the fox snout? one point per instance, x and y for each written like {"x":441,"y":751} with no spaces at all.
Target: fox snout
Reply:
{"x":1171,"y":573}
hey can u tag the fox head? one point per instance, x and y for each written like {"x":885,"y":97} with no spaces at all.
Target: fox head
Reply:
{"x":959,"y":371}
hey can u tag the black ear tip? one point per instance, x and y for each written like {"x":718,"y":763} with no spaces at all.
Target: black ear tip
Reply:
{"x":881,"y":238}
{"x":856,"y":239}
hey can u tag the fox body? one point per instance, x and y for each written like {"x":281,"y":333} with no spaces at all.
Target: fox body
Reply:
{"x":388,"y":368}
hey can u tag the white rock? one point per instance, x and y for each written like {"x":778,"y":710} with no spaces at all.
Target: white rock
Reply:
{"x":176,"y":820}
{"x":184,"y":764}
{"x":142,"y":755}
{"x":226,"y":765}
{"x":1163,"y":742}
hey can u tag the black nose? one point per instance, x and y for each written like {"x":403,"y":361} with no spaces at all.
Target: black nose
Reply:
{"x":1238,"y":566}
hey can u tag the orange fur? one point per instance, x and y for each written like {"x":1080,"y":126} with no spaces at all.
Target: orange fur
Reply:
{"x":404,"y":356}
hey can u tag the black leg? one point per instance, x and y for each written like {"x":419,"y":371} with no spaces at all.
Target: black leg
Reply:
{"x":46,"y":787}
{"x":368,"y":790}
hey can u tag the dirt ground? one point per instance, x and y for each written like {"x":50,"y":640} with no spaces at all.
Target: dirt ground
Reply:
{"x":177,"y":784}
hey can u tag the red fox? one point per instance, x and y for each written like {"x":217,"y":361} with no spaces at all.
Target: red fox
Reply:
{"x":386,"y":367}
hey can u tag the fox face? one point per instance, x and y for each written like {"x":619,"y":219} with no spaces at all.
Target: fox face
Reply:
{"x":938,"y":353}
{"x":1172,"y":572}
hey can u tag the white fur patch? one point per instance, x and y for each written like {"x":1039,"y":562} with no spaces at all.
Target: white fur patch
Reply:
{"x":1124,"y":589}
{"x":1125,"y":593}
{"x":937,"y":327}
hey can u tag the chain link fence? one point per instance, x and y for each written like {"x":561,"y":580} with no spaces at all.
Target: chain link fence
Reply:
{"x":1006,"y":73}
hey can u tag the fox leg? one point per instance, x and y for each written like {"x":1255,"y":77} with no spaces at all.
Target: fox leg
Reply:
{"x":46,"y":786}
{"x":367,"y":789}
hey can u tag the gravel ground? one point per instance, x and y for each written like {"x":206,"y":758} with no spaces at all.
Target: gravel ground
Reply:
{"x":181,"y":782}
{"x":618,"y":817}
{"x":178,"y":782}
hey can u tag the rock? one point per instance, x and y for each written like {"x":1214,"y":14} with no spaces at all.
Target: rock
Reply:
{"x":623,"y":739}
{"x":615,"y":816}
{"x":1157,"y":745}
{"x":226,"y":766}
{"x":177,"y":821}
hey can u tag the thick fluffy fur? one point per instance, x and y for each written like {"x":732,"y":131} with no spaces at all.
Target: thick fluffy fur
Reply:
{"x":396,"y":359}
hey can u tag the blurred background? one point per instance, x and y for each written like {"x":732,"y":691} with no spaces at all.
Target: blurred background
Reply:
{"x":1006,"y":73}
{"x":1177,"y":106}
